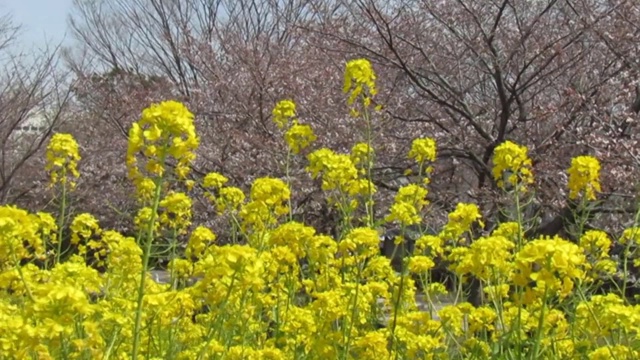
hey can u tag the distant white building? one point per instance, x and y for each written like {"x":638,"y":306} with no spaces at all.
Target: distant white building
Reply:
{"x":34,"y":124}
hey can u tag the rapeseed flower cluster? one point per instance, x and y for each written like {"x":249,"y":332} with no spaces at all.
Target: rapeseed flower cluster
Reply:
{"x":175,"y":211}
{"x":164,"y":131}
{"x":285,"y":291}
{"x":489,"y":259}
{"x":423,"y":150}
{"x":511,"y":161}
{"x":584,"y":175}
{"x":359,"y":80}
{"x":62,"y":159}
{"x":461,"y":221}
{"x":597,"y":245}
{"x":214,"y":180}
{"x":201,"y":238}
{"x":283,"y":113}
{"x":338,"y":170}
{"x":553,"y":264}
{"x":85,"y":235}
{"x":347,"y":185}
{"x":362,"y":154}
{"x":225,"y":198}
{"x":269,"y":201}
{"x":630,"y":236}
{"x":23,"y":235}
{"x":230,"y":199}
{"x":297,"y":136}
{"x":409,"y":202}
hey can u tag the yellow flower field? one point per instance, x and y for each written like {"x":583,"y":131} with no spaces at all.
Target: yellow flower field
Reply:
{"x":285,"y":291}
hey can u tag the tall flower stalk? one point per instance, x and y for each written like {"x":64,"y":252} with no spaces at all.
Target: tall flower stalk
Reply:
{"x":165,"y":131}
{"x":360,"y":85}
{"x":512,"y":172}
{"x":584,"y":184}
{"x":62,"y":162}
{"x":297,"y":136}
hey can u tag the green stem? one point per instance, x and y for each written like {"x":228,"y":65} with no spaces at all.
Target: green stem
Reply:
{"x":396,"y":308}
{"x":145,"y":265}
{"x":625,"y":262}
{"x":21,"y":274}
{"x":172,"y":256}
{"x":63,"y":206}
{"x":536,"y":345}
{"x":595,"y":318}
{"x":111,"y":345}
{"x":369,"y":136}
{"x":236,"y":229}
{"x":519,"y":218}
{"x":213,"y":330}
{"x":354,"y":313}
{"x":519,"y":289}
{"x":288,"y":177}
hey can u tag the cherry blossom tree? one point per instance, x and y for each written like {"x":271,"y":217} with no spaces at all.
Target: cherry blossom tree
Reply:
{"x":559,"y":76}
{"x":34,"y":93}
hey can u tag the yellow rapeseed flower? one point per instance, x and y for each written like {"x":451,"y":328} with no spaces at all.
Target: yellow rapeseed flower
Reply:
{"x":283,"y":113}
{"x":176,"y":211}
{"x":164,"y":130}
{"x":85,"y":231}
{"x":360,"y":241}
{"x":19,"y":236}
{"x":200,"y":239}
{"x":512,"y":158}
{"x":607,"y":316}
{"x":48,"y":227}
{"x":337,"y":170}
{"x":214,"y":180}
{"x":268,"y":201}
{"x":630,"y":236}
{"x":361,"y":154}
{"x":373,"y":345}
{"x":554,"y":264}
{"x":461,"y":220}
{"x":270,"y":191}
{"x":488,"y":259}
{"x":430,"y":245}
{"x":403,"y":213}
{"x":299,"y":137}
{"x":409,"y":202}
{"x":229,"y":199}
{"x":359,"y":79}
{"x":511,"y":230}
{"x":142,"y":219}
{"x":596,"y":243}
{"x":298,"y":237}
{"x":62,"y":159}
{"x":420,"y":264}
{"x":619,"y":352}
{"x":482,"y":319}
{"x":83,"y":227}
{"x":584,"y":177}
{"x":423,"y":150}
{"x":474,"y":347}
{"x":361,"y":187}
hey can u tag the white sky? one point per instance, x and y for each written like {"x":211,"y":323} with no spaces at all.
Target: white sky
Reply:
{"x":44,"y":22}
